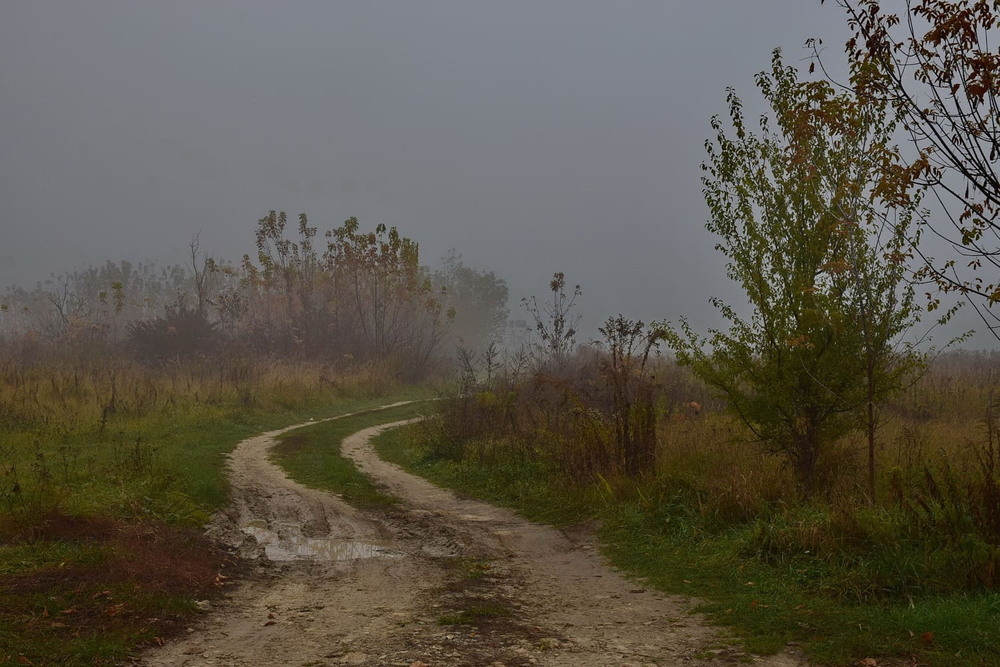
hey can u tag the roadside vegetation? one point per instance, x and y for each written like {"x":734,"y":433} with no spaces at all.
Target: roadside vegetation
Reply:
{"x":311,"y":455}
{"x":816,"y":471}
{"x":910,"y":576}
{"x":101,"y":513}
{"x":123,"y":387}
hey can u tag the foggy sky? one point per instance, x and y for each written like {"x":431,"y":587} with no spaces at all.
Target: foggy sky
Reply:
{"x":532,"y":137}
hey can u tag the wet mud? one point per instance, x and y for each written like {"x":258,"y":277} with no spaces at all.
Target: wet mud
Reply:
{"x":433,"y":580}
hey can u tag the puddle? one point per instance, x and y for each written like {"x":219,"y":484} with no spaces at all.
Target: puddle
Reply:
{"x":298,"y":547}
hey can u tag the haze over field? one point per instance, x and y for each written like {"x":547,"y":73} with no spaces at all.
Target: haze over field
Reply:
{"x":531,"y":137}
{"x":290,"y":307}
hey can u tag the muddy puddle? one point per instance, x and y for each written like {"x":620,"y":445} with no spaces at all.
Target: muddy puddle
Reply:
{"x":286,"y":543}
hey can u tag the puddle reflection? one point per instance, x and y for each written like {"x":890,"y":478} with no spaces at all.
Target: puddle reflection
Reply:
{"x":292,"y":545}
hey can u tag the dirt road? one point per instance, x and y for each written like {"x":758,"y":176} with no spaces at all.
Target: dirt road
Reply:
{"x":437,"y":581}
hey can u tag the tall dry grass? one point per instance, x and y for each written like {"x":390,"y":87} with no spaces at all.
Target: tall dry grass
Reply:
{"x":98,"y":434}
{"x":933,"y":525}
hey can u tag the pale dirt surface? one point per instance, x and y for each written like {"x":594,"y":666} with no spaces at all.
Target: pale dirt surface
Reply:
{"x":332,"y":585}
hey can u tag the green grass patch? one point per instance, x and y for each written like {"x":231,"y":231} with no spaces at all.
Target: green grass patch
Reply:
{"x":311,"y":454}
{"x":842,"y":590}
{"x":74,"y":486}
{"x":531,"y":488}
{"x":772,"y":604}
{"x":471,"y":569}
{"x":22,"y":558}
{"x":91,"y":595}
{"x":165,"y":465}
{"x":474,"y":613}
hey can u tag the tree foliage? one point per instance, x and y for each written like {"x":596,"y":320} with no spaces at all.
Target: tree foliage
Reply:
{"x":479,"y":301}
{"x":819,"y":243}
{"x":181,"y":332}
{"x":937,"y":64}
{"x":365,"y":297}
{"x":391,"y":303}
{"x":348,"y":296}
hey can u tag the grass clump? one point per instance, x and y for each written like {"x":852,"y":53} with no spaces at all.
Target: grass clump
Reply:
{"x":87,"y":590}
{"x":527,"y":486}
{"x":474,"y":613}
{"x":311,"y":454}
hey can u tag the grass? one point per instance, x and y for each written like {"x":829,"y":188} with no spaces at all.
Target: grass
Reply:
{"x":512,"y":484}
{"x":664,"y":533}
{"x":474,"y":613}
{"x":159,"y":453}
{"x":107,"y":467}
{"x":311,"y":454}
{"x":89,"y":592}
{"x":770,"y":605}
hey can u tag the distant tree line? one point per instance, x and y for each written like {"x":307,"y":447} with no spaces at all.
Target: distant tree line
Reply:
{"x":349,"y":296}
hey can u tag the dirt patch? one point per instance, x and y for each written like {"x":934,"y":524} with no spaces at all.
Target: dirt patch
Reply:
{"x":447,"y":581}
{"x":139,"y":583}
{"x":55,"y":526}
{"x":159,"y":559}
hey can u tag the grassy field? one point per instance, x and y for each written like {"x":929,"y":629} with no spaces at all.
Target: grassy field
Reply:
{"x":109,"y":472}
{"x":841,"y":579}
{"x":110,"y":466}
{"x":311,"y":454}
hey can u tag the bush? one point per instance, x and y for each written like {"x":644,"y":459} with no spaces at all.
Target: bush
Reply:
{"x":181,"y":332}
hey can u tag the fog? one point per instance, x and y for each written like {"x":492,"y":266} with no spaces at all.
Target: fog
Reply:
{"x":530,"y":137}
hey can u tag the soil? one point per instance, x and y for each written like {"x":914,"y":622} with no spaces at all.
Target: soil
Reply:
{"x":128,"y":589}
{"x":434,"y":580}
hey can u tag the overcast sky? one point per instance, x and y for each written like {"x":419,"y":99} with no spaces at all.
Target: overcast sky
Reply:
{"x":530,"y":136}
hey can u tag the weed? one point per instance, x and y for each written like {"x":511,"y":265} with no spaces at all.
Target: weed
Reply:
{"x":474,"y":613}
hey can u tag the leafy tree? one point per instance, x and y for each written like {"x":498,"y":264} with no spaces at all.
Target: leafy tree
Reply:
{"x":94,"y":301}
{"x":390,"y":299}
{"x":203,"y":268}
{"x":818,"y":241}
{"x":882,"y":305}
{"x":479,"y":300}
{"x":283,"y":283}
{"x":937,"y":64}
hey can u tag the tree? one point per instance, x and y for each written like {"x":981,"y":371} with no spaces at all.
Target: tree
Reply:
{"x":285,"y":289}
{"x":181,"y":332}
{"x":629,"y":345}
{"x":479,"y":299}
{"x":202,"y":268}
{"x":798,"y":210}
{"x":882,"y":305}
{"x":390,"y":299}
{"x":937,"y":64}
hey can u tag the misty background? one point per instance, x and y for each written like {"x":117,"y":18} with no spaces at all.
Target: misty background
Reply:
{"x":530,"y":137}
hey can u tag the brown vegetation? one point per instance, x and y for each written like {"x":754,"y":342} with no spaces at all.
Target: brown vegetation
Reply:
{"x":938,"y":458}
{"x":109,"y":467}
{"x":121,"y":591}
{"x":358,"y":298}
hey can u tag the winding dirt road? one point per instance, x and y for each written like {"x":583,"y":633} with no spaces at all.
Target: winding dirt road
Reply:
{"x":437,"y":580}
